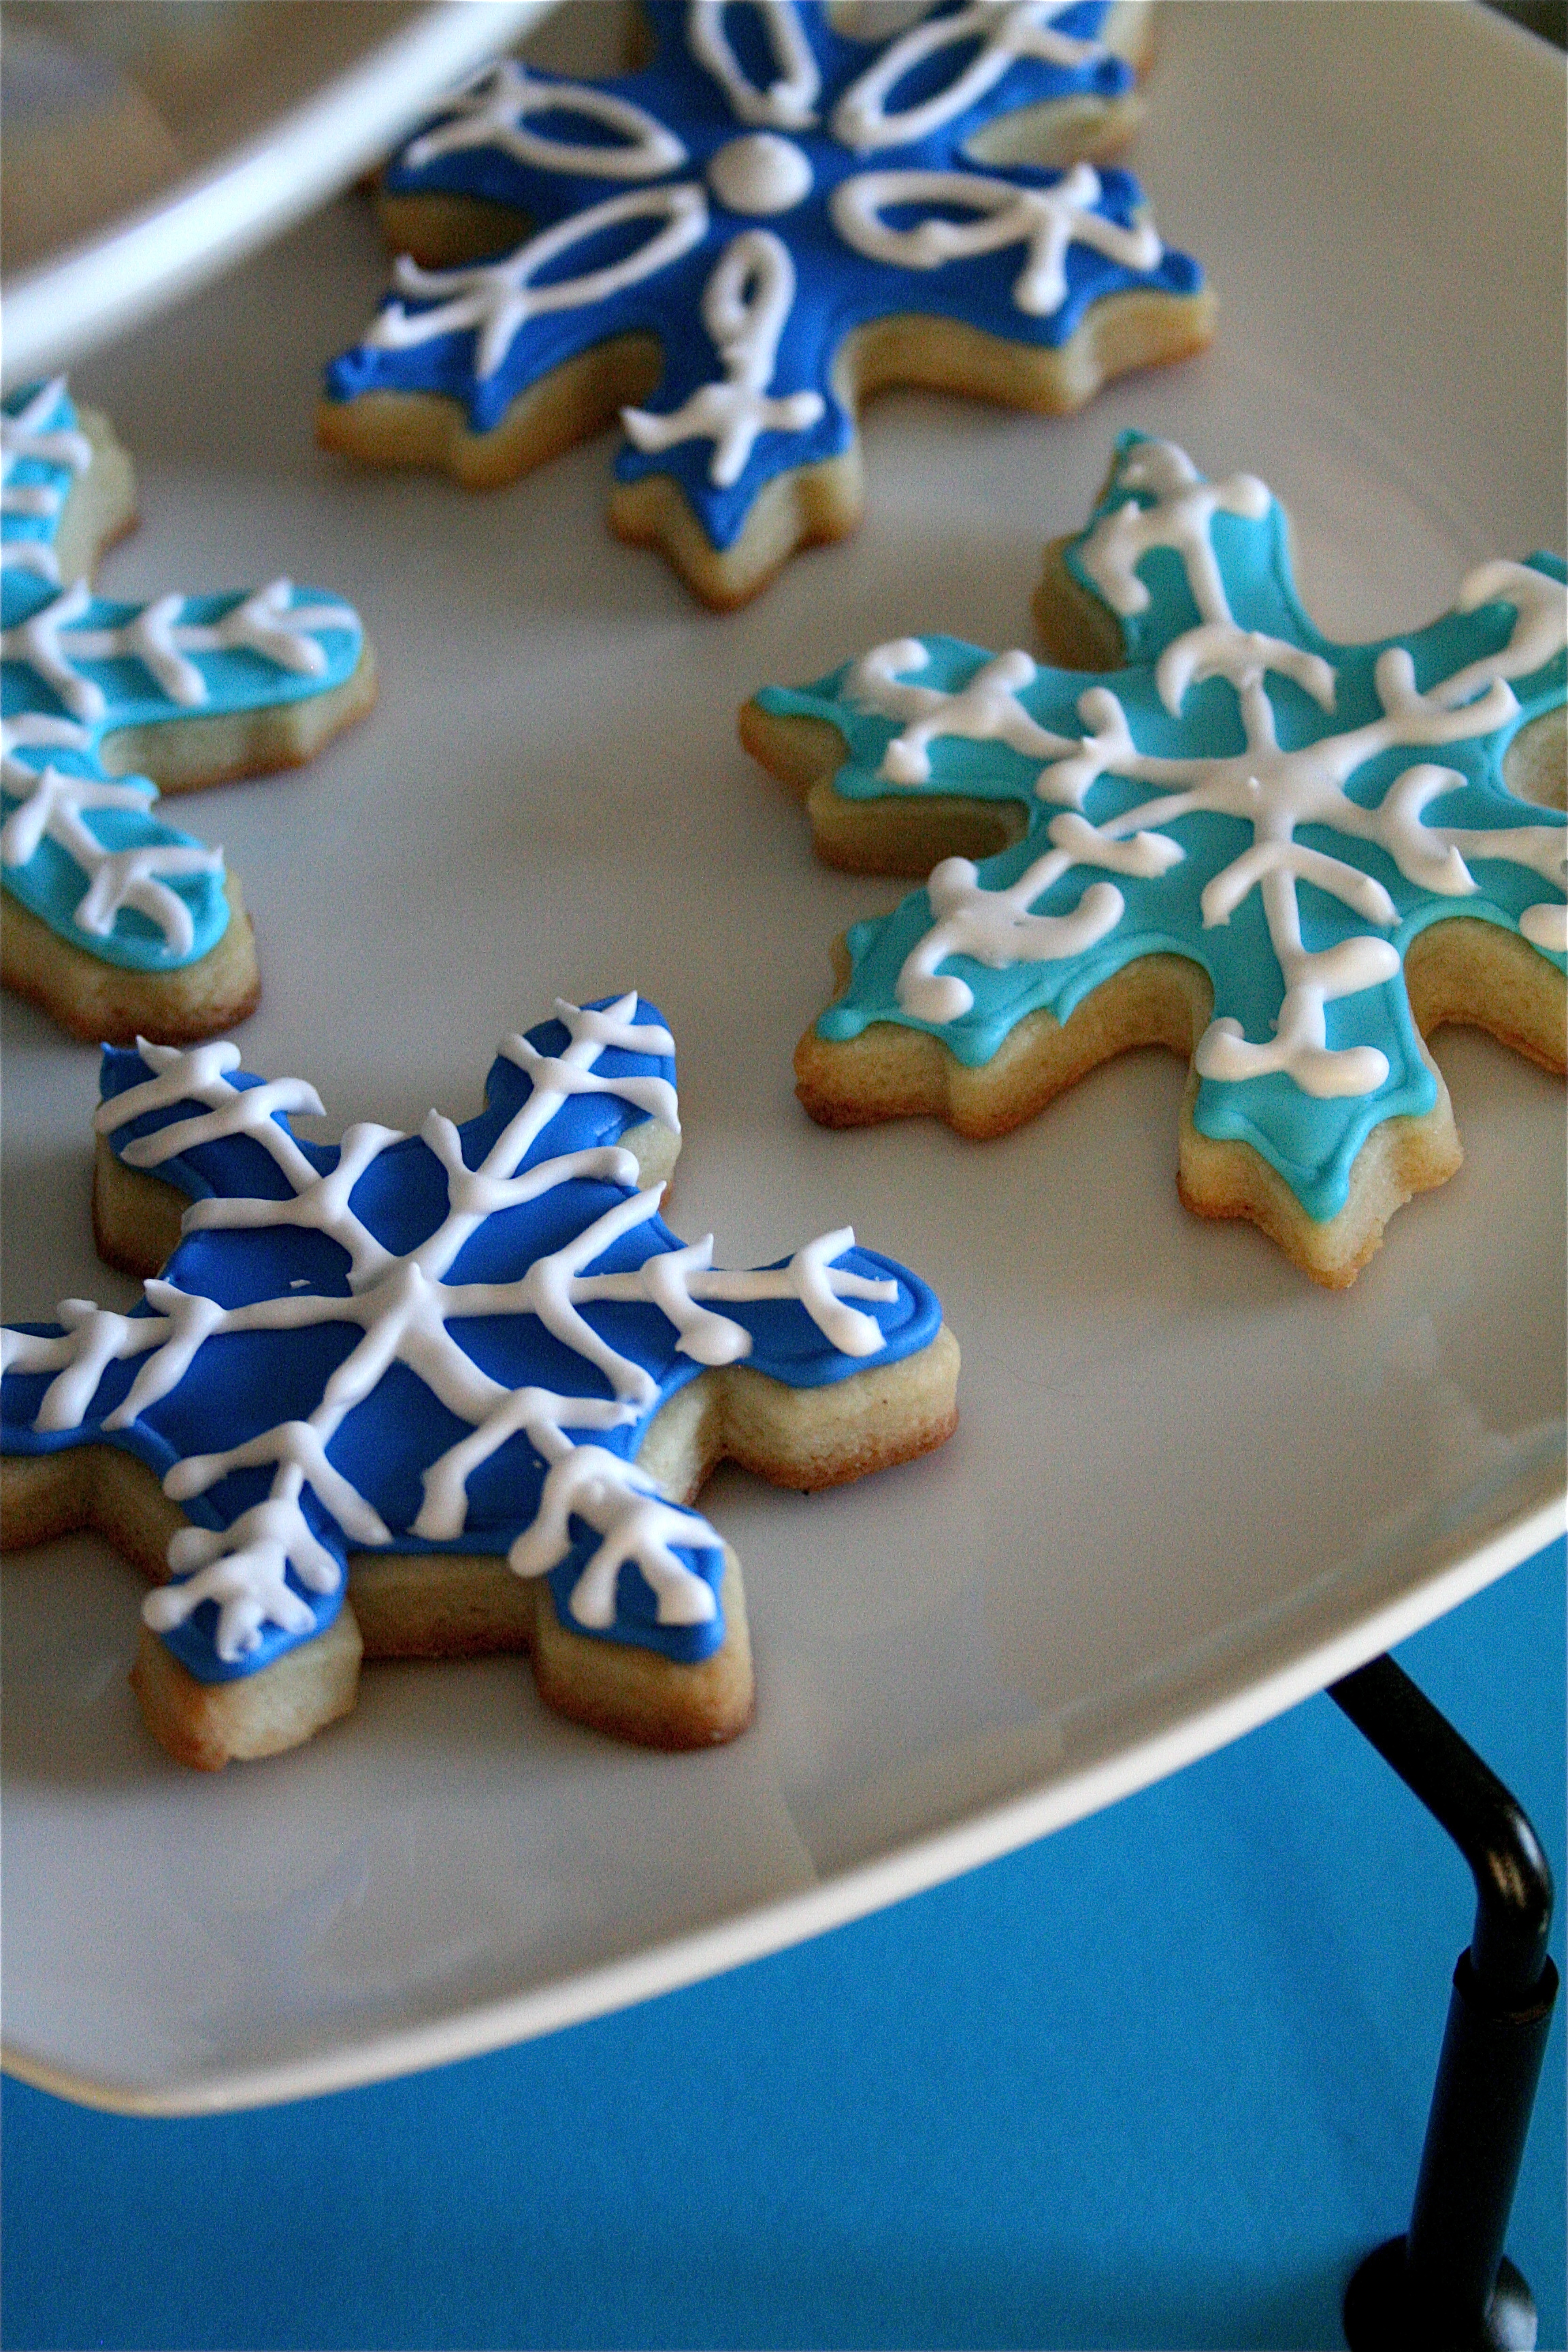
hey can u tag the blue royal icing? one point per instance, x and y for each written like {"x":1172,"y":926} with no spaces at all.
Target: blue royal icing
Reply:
{"x":1287,"y":812}
{"x":449,"y":1341}
{"x":644,"y":191}
{"x":79,"y":846}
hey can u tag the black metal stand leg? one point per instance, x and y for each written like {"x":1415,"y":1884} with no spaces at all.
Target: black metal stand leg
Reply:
{"x":1445,"y":2287}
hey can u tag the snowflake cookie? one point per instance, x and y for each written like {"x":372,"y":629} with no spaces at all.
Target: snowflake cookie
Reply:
{"x":425,"y":1395}
{"x":784,"y":211}
{"x":1245,"y":842}
{"x":116,"y":923}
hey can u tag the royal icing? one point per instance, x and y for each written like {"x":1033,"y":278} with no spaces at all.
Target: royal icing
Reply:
{"x":42,"y":453}
{"x":452,"y":1340}
{"x":767,"y":113}
{"x":78,"y":846}
{"x":1242,"y":792}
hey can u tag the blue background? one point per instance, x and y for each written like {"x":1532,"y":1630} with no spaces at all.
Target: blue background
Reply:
{"x":1158,"y":2081}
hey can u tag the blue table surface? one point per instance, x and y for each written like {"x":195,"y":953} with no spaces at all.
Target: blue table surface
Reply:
{"x":1158,"y":2081}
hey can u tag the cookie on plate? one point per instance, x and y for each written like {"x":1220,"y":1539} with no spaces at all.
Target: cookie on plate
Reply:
{"x":1217,"y":831}
{"x":431,"y":1395}
{"x":786,"y":210}
{"x":118,"y":924}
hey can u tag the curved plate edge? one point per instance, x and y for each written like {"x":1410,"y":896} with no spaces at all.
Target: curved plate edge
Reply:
{"x":852,"y":1895}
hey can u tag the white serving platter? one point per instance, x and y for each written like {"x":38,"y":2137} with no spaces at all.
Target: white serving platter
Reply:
{"x":1188,"y":1490}
{"x":301,"y":111}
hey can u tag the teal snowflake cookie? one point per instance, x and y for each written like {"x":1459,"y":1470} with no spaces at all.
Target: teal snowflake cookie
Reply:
{"x":1236,"y":838}
{"x":116,"y":922}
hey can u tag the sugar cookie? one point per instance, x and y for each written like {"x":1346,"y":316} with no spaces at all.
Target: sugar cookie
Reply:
{"x":1288,"y":858}
{"x":427,"y":1395}
{"x":116,"y":923}
{"x":786,"y":210}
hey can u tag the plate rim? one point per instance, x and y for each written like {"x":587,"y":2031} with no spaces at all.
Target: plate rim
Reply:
{"x":911,"y":1868}
{"x":121,"y":275}
{"x":915,"y":1864}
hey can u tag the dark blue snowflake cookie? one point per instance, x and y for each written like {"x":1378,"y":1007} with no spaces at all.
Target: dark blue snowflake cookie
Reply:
{"x":425,"y":1395}
{"x":732,"y":247}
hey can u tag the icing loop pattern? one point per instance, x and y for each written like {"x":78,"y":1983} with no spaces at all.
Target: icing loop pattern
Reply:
{"x":459,"y":1337}
{"x":496,"y":300}
{"x":745,"y":306}
{"x":998,"y":36}
{"x":809,"y":107}
{"x":786,"y":102}
{"x":493,"y":110}
{"x":1047,"y":220}
{"x":78,"y":846}
{"x":1263,"y":798}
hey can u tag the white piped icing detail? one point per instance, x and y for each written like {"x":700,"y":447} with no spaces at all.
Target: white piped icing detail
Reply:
{"x":169,"y":886}
{"x":986,"y":711}
{"x":777,"y":74}
{"x":496,"y":298}
{"x":27,"y":435}
{"x":997,"y":928}
{"x":1004,"y":30}
{"x":1271,"y":790}
{"x":1048,"y":220}
{"x":492,"y":110}
{"x":52,"y":806}
{"x":788,"y":101}
{"x":744,"y":306}
{"x":244,"y":1571}
{"x":398,"y":1308}
{"x":1180,"y":518}
{"x":761,"y":174}
{"x":54,"y":643}
{"x":633,"y":1522}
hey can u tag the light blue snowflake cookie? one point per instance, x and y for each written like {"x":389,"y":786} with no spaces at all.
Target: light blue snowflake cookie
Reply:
{"x":779,"y":215}
{"x":1245,"y":842}
{"x":116,"y":922}
{"x":477,"y":1360}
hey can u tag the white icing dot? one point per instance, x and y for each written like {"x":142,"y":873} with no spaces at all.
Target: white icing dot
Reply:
{"x":760,"y":173}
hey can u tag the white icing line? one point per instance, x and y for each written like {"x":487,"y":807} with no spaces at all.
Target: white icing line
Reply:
{"x":497,"y":298}
{"x":745,"y":305}
{"x":243,"y":1570}
{"x":491,"y":111}
{"x":986,"y":711}
{"x":1004,"y":33}
{"x":788,"y":102}
{"x":1271,"y":790}
{"x":1545,"y":925}
{"x":1184,"y":507}
{"x":1048,"y":220}
{"x":28,"y":435}
{"x":634,"y":1521}
{"x":401,"y":1307}
{"x":52,"y":806}
{"x":53,"y":643}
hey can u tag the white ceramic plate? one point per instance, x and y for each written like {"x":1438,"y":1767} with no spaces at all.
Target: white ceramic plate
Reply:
{"x":1189,"y":1487}
{"x":300,"y":114}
